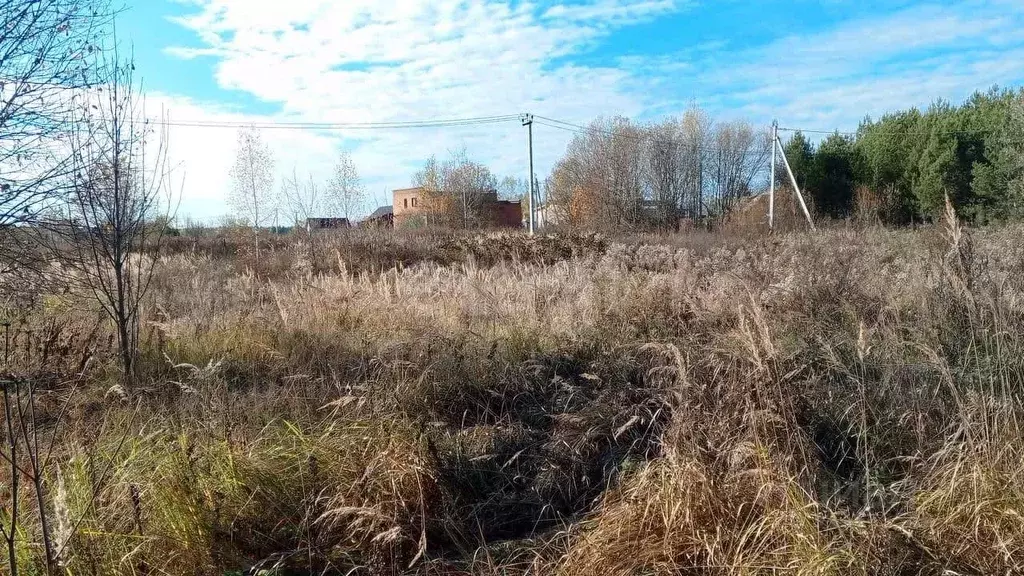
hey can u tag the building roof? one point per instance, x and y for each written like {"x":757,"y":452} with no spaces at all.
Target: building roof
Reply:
{"x":381,"y":212}
{"x":414,"y":188}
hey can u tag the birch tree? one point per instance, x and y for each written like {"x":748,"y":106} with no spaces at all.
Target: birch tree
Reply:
{"x":252,"y":193}
{"x":738,"y":156}
{"x":663,"y":174}
{"x":345,"y":192}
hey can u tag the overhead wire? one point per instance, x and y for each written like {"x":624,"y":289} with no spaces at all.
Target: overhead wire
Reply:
{"x":889,"y":132}
{"x":579,"y":129}
{"x":278,"y":125}
{"x":489,"y":120}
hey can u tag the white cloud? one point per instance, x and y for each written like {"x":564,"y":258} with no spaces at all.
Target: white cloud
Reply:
{"x":832,"y":79}
{"x":611,"y":10}
{"x":373,"y":61}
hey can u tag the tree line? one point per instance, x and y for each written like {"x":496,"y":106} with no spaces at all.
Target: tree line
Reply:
{"x":899,"y":169}
{"x":618,"y":173}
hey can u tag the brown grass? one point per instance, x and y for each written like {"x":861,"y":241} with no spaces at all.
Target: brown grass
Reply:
{"x":845,"y":402}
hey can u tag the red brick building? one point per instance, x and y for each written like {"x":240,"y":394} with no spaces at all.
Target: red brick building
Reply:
{"x":413,"y":206}
{"x":508,"y":213}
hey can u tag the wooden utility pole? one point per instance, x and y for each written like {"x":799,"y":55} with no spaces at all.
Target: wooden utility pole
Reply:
{"x":528,"y":122}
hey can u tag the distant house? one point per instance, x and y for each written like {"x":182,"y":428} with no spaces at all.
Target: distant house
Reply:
{"x":665,"y":214}
{"x":327,"y":223}
{"x":382,"y":217}
{"x":507,"y":213}
{"x":413,"y":205}
{"x":548,"y":215}
{"x":410,"y":204}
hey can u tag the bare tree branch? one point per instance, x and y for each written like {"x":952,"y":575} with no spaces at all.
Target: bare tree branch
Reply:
{"x":47,"y":56}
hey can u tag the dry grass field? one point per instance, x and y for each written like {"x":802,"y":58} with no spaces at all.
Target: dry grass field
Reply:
{"x":842,"y":402}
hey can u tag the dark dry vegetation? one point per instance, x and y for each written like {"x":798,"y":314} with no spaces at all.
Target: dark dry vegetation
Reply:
{"x":845,"y":402}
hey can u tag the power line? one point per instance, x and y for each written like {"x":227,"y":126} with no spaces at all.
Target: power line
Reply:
{"x":641,"y":138}
{"x":268,"y":125}
{"x":487,"y":120}
{"x":890,"y":132}
{"x":578,"y":128}
{"x":809,"y":131}
{"x":564,"y":123}
{"x":491,"y":120}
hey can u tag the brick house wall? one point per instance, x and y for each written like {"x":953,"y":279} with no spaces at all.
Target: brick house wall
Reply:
{"x":408,"y":204}
{"x":508,"y":214}
{"x":412,"y":206}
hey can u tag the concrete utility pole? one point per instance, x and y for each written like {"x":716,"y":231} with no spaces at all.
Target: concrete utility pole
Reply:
{"x":528,"y":122}
{"x":771,"y":192}
{"x":792,"y":179}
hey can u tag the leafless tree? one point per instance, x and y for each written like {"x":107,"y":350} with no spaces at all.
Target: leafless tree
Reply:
{"x":600,"y":182}
{"x":429,"y":177}
{"x":102,"y":233}
{"x":738,"y":157}
{"x":676,"y":153}
{"x":457,"y":190}
{"x":618,"y":174}
{"x":118,"y":205}
{"x":563,"y":187}
{"x":695,"y":129}
{"x":342,"y":195}
{"x":664,"y":175}
{"x":470,"y":184}
{"x":252,"y":193}
{"x":304,"y":200}
{"x":47,"y":54}
{"x":620,"y":170}
{"x":345,"y":192}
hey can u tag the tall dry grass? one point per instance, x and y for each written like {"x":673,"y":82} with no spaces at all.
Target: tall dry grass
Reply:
{"x":846,"y":402}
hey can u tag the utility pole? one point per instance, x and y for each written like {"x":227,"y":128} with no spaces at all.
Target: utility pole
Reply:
{"x":771,"y":192}
{"x":528,"y":122}
{"x":792,"y":179}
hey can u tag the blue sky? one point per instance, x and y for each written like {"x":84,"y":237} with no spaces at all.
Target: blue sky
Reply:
{"x":817,"y":65}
